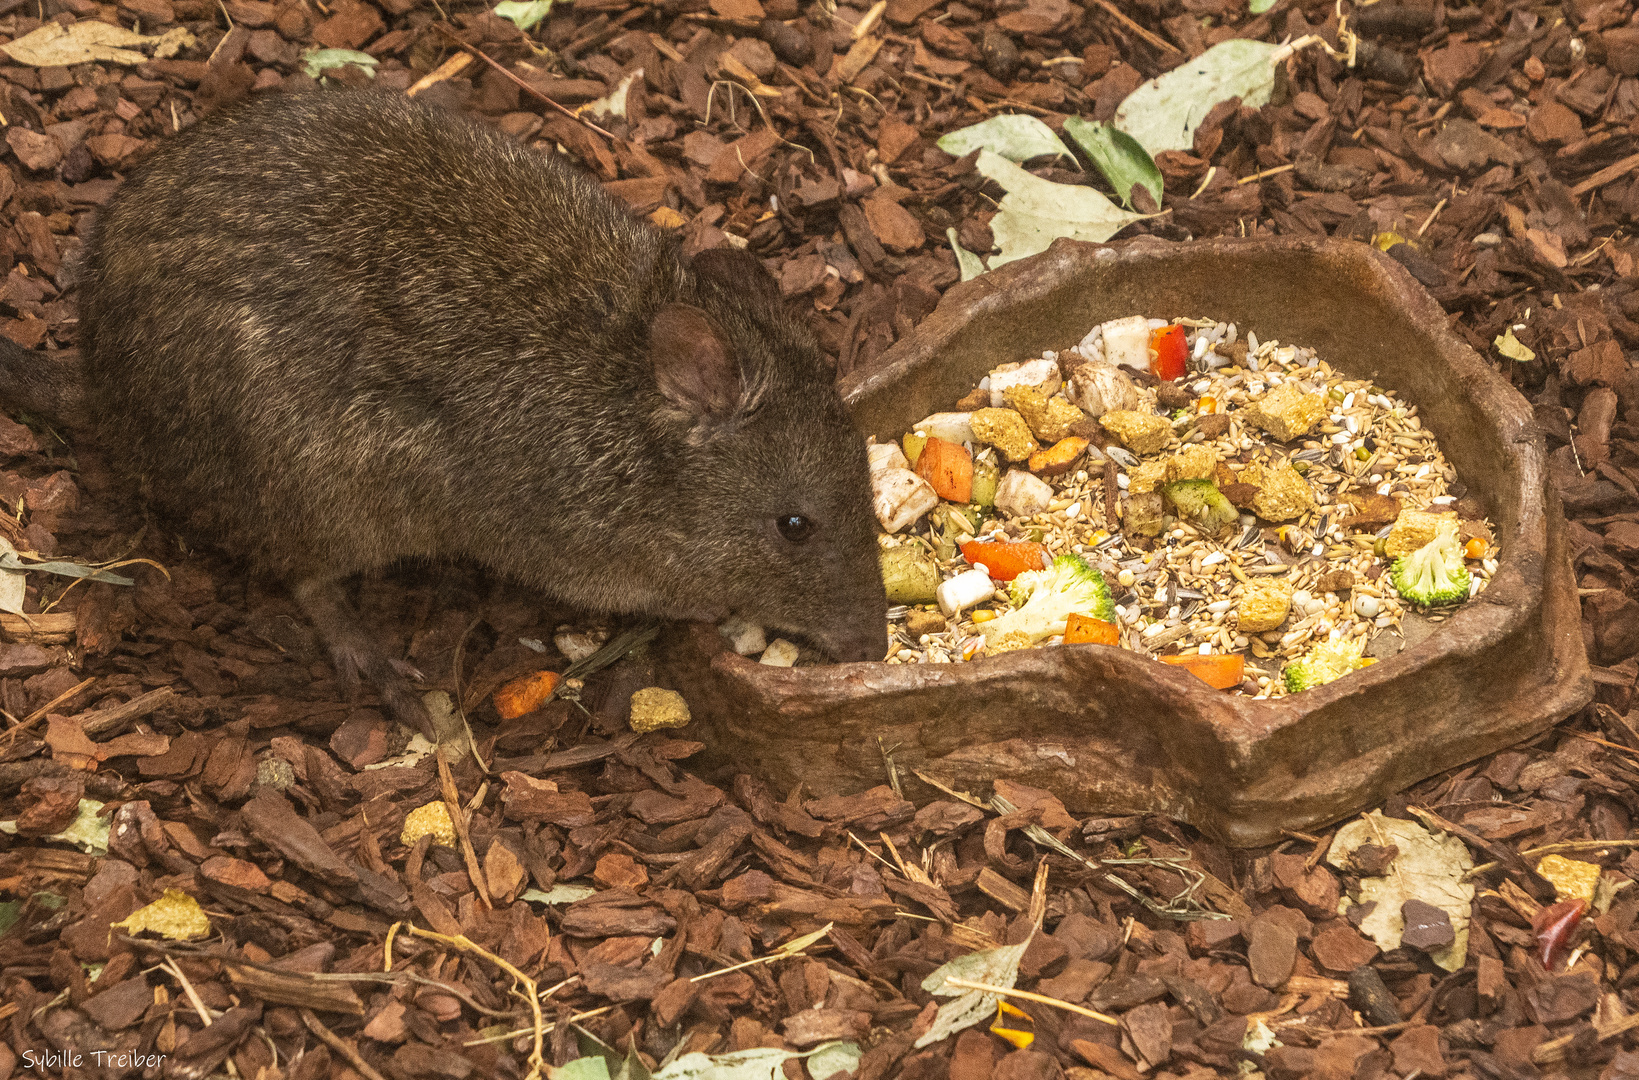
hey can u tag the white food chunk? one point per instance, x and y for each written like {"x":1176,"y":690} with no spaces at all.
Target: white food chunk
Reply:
{"x":1022,"y":494}
{"x":1127,"y":342}
{"x":1092,"y":346}
{"x":953,"y":427}
{"x":1042,"y":373}
{"x":885,"y":456}
{"x":964,"y":590}
{"x":1099,"y":387}
{"x":743,"y":637}
{"x":899,"y":497}
{"x":579,"y":644}
{"x":780,"y":653}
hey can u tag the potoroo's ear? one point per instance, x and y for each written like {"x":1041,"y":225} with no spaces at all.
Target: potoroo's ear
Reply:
{"x":692,"y":364}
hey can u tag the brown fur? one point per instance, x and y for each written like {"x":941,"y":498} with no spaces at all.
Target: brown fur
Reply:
{"x":334,"y":330}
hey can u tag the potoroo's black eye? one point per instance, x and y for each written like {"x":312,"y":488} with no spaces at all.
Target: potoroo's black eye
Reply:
{"x":794,"y":527}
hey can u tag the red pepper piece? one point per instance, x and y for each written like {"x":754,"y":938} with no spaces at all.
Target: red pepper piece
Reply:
{"x":1554,"y":927}
{"x":1171,"y":352}
{"x":1005,"y":560}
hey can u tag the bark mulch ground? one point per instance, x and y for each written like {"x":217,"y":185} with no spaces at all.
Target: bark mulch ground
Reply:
{"x":1499,"y":137}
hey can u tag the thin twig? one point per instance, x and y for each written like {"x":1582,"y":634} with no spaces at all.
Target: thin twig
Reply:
{"x":1172,"y":911}
{"x":732,"y":86}
{"x":508,"y":1036}
{"x":887,"y":763}
{"x":1432,"y":214}
{"x":869,"y":852}
{"x":170,"y":965}
{"x":1577,"y":845}
{"x":458,"y":819}
{"x":1205,"y":180}
{"x":868,"y":20}
{"x":1027,"y":995}
{"x":390,"y":977}
{"x":1267,"y":172}
{"x":104,"y":720}
{"x":1606,"y":175}
{"x":45,"y":709}
{"x":449,"y":69}
{"x":1553,"y":1050}
{"x":92,"y":578}
{"x":188,"y":990}
{"x":1382,"y":1029}
{"x":340,"y":1046}
{"x":1154,"y":39}
{"x":930,"y":80}
{"x":537,"y":1060}
{"x":525,"y":87}
{"x":791,"y":948}
{"x":461,"y":695}
{"x":1606,"y":742}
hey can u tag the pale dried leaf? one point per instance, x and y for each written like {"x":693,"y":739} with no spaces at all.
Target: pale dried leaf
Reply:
{"x":1428,"y":868}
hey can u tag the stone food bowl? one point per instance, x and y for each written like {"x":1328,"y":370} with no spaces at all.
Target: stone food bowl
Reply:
{"x":1110,"y":731}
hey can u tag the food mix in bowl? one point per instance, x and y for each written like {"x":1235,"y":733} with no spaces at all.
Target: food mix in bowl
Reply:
{"x":1182,"y":490}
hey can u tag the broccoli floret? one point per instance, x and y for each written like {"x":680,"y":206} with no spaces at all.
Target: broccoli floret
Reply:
{"x":1045,"y":599}
{"x":1201,"y":504}
{"x":1327,"y":661}
{"x":1434,"y":574}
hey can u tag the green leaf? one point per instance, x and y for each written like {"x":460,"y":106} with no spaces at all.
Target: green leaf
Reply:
{"x":1016,"y":138}
{"x":1163,"y":113}
{"x":13,"y":583}
{"x":971,"y":265}
{"x":319,"y":61}
{"x":10,"y":561}
{"x":760,"y":1063}
{"x":993,"y":967}
{"x":832,"y":1058}
{"x":798,"y":944}
{"x":524,"y":13}
{"x":559,"y":894}
{"x":88,"y":831}
{"x":614,"y":102}
{"x":1118,"y":156}
{"x":1035,"y":212}
{"x":586,"y":1068}
{"x":1428,"y":867}
{"x":1258,"y":7}
{"x":615,"y":1065}
{"x":12,"y":910}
